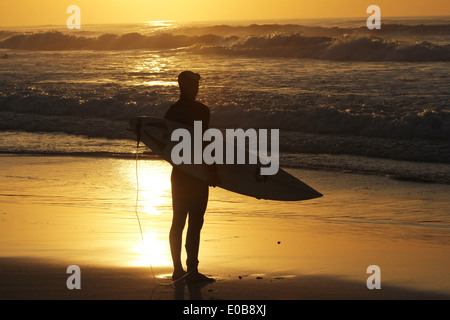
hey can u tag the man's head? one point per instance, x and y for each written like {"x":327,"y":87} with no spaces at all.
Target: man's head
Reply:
{"x":188,"y":82}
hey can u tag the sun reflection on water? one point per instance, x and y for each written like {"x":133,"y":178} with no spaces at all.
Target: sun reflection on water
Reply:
{"x":160,"y":83}
{"x":154,"y":209}
{"x":160,"y":23}
{"x":151,"y":69}
{"x":154,"y":188}
{"x":152,"y":64}
{"x":153,"y":250}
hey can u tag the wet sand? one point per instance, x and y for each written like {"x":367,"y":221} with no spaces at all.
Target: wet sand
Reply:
{"x":62,"y":211}
{"x":31,"y":279}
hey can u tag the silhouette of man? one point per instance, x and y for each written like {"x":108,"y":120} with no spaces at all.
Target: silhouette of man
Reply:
{"x":189,"y":195}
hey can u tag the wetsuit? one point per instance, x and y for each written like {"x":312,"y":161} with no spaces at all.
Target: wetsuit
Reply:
{"x":189,"y":195}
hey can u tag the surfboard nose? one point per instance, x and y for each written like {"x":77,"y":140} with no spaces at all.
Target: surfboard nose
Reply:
{"x":316,"y":193}
{"x":313,"y":194}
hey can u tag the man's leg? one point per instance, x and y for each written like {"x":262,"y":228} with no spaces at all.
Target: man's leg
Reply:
{"x":175,"y":240}
{"x":195,"y":224}
{"x":180,"y":210}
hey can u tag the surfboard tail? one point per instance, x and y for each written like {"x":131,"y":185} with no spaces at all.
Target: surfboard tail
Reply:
{"x":136,"y":125}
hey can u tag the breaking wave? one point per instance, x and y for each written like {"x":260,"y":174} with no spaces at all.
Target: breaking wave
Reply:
{"x":293,"y":41}
{"x":343,"y":48}
{"x":427,"y":124}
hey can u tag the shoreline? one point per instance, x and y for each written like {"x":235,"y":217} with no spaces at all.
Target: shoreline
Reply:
{"x":334,"y":163}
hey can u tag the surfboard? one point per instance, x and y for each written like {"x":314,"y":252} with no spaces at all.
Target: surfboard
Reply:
{"x":244,"y":179}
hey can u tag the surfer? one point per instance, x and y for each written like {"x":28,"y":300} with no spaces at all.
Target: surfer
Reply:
{"x":189,"y":195}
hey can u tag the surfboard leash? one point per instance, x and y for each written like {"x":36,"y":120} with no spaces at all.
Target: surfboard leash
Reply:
{"x":139,"y":220}
{"x":136,"y":209}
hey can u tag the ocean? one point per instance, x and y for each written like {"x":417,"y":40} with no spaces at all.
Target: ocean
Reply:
{"x":344,"y":98}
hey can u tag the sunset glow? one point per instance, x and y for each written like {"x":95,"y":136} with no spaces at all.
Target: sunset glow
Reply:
{"x":224,"y":150}
{"x":47,"y":12}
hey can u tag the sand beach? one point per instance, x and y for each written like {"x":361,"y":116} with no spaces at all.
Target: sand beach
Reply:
{"x":58,"y":211}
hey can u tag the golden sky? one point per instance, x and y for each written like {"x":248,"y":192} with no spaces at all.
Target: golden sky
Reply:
{"x":42,"y":12}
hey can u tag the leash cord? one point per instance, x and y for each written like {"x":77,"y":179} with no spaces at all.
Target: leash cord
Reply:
{"x":140,"y":226}
{"x":137,"y":213}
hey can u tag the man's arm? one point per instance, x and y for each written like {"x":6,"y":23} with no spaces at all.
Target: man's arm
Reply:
{"x":213,"y":179}
{"x":169,"y":115}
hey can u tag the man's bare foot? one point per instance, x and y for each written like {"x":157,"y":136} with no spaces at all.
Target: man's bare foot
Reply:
{"x":195,"y":276}
{"x":178,"y":274}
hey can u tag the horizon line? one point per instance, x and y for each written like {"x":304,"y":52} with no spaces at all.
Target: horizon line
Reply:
{"x":261,"y":20}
